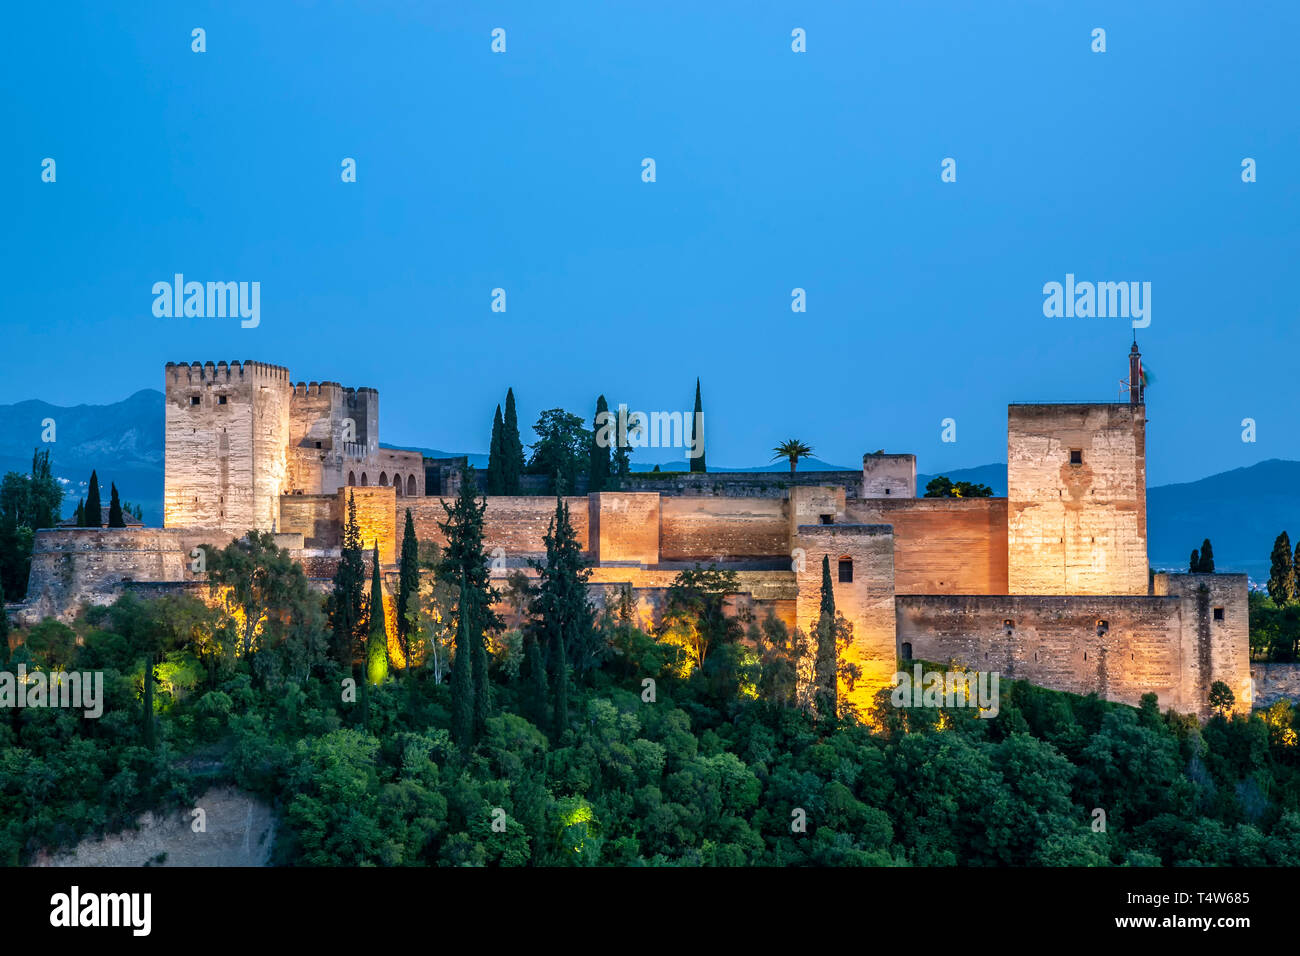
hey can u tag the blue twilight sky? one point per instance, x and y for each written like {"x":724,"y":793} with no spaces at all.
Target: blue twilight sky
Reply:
{"x":775,"y":170}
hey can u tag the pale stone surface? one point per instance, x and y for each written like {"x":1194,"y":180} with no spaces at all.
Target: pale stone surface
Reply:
{"x":239,"y":831}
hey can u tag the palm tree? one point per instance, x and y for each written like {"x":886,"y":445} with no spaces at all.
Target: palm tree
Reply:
{"x":793,"y":450}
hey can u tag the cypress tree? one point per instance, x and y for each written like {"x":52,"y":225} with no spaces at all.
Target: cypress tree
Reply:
{"x":599,"y":470}
{"x":537,"y":682}
{"x":560,"y":676}
{"x":1295,"y":579}
{"x":408,"y":588}
{"x":347,"y":599}
{"x":826,"y":663}
{"x":512,"y":447}
{"x":1281,"y":576}
{"x":94,"y":510}
{"x":80,"y":514}
{"x":147,"y":716}
{"x":1207,"y":557}
{"x":464,"y":566}
{"x":115,"y":509}
{"x":377,"y":639}
{"x":462,"y":680}
{"x":697,"y":432}
{"x":1194,"y":564}
{"x":563,"y":617}
{"x":496,"y":482}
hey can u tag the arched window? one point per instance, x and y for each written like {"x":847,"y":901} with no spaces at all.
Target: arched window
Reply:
{"x":907,"y":651}
{"x":397,"y":483}
{"x":846,"y":570}
{"x":364,"y":480}
{"x":410,"y":486}
{"x":383,"y":479}
{"x":352,"y":477}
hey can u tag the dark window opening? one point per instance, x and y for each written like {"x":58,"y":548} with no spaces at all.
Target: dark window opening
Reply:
{"x":846,"y":570}
{"x":1076,"y":456}
{"x":907,"y":651}
{"x":221,"y":399}
{"x":828,"y":519}
{"x":886,"y":491}
{"x":1218,"y":614}
{"x":1102,"y":628}
{"x":194,"y":399}
{"x":1008,"y":625}
{"x":318,"y":444}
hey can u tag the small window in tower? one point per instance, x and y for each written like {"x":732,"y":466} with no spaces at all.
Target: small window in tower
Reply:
{"x":221,"y":399}
{"x":194,"y":399}
{"x":318,"y":444}
{"x":1076,"y":456}
{"x":886,"y":491}
{"x":846,"y":570}
{"x":907,"y":651}
{"x":1103,"y":627}
{"x":1008,"y":625}
{"x":1218,"y":614}
{"x":828,"y":519}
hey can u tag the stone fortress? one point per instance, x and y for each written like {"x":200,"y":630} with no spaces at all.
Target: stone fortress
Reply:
{"x":1050,"y":584}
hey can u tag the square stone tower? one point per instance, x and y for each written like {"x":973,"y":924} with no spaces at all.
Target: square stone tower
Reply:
{"x":227,"y":435}
{"x":1076,"y":499}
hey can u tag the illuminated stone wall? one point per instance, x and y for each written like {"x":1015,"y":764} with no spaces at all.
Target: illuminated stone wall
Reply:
{"x":1119,"y":647}
{"x":226,"y":440}
{"x":375,"y":519}
{"x":709,"y":529}
{"x":888,"y":476}
{"x":1076,"y":528}
{"x":942,"y":545}
{"x":624,"y":526}
{"x":867,"y":601}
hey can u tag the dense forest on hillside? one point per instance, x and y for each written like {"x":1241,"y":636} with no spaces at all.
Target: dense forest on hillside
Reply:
{"x":696,"y":777}
{"x":428,"y":730}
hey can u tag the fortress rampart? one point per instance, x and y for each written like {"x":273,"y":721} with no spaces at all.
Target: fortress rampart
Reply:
{"x":1050,"y":584}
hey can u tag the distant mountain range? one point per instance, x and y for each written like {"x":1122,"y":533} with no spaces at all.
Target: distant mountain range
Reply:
{"x":1241,"y":510}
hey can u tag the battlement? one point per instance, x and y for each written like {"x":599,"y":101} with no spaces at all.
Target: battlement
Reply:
{"x":304,"y":389}
{"x":206,"y":373}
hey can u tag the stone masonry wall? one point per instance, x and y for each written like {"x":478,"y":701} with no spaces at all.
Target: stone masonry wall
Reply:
{"x":1076,"y":527}
{"x":708,"y":529}
{"x":942,"y":545}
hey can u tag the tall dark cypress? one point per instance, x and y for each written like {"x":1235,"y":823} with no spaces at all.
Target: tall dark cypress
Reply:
{"x":94,"y":510}
{"x":537,"y":683}
{"x":1207,"y":557}
{"x":1281,"y":576}
{"x":462,"y":677}
{"x":115,"y":508}
{"x":826,"y":664}
{"x":408,"y":588}
{"x":347,"y":599}
{"x":377,"y":637}
{"x":80,"y":514}
{"x":147,"y":715}
{"x":1194,"y":562}
{"x":464,"y":566}
{"x":601,"y":427}
{"x":513,"y":447}
{"x":496,"y":479}
{"x":563,"y":618}
{"x":697,"y":432}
